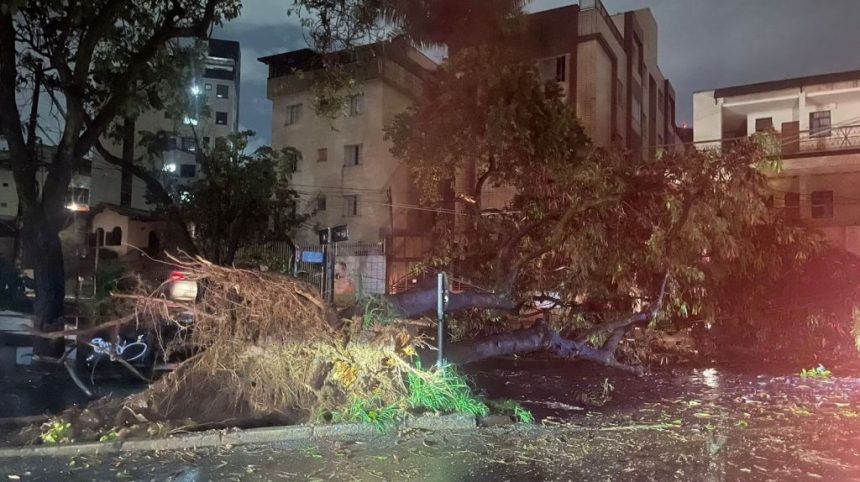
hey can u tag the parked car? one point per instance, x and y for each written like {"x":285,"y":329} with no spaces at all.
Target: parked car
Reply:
{"x":181,"y":288}
{"x":141,"y":347}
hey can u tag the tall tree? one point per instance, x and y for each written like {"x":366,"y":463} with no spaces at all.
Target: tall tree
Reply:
{"x":103,"y":59}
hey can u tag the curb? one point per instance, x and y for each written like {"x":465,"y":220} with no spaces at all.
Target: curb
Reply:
{"x":238,"y":437}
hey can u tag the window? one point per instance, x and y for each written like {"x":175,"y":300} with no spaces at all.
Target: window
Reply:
{"x":208,"y":86}
{"x":764,"y":124}
{"x":321,"y":203}
{"x":661,"y":100}
{"x":636,"y":113}
{"x":350,"y":206}
{"x":352,"y":155}
{"x":560,"y":68}
{"x":5,"y":184}
{"x":792,"y":206}
{"x":356,"y":105}
{"x":114,"y":237}
{"x":221,"y":118}
{"x":819,"y":124}
{"x":619,"y":93}
{"x":188,"y":144}
{"x":188,"y":170}
{"x":822,"y":204}
{"x":170,"y":144}
{"x":222,"y":91}
{"x":206,"y":141}
{"x":294,"y":114}
{"x":78,"y":195}
{"x":322,"y":155}
{"x":3,"y":205}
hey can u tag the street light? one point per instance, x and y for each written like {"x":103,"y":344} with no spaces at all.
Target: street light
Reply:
{"x":195,"y":89}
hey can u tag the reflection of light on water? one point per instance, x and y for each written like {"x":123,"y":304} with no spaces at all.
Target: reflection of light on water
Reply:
{"x":711,"y":378}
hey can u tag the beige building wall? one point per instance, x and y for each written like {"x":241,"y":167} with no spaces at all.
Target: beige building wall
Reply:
{"x":593,"y":99}
{"x":380,"y":185}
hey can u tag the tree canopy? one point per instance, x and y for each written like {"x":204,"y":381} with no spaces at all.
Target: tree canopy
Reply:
{"x":602,"y":232}
{"x":242,"y":197}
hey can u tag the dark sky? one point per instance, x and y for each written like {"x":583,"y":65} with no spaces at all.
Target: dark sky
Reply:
{"x":704,"y":44}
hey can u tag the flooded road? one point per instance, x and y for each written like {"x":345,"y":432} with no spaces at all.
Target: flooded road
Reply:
{"x":686,"y":423}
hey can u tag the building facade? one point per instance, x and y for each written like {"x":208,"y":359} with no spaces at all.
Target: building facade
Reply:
{"x":347,"y":174}
{"x":216,"y":93}
{"x":607,"y":65}
{"x":817,"y":122}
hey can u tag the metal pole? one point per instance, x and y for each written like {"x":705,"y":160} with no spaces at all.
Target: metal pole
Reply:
{"x":96,"y":266}
{"x":331,"y":272}
{"x":440,"y":316}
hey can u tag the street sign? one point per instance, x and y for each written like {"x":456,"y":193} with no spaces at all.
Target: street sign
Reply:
{"x":340,"y":233}
{"x":314,"y":257}
{"x":337,"y":234}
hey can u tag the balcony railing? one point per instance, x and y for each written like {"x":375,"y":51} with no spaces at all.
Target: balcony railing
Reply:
{"x":795,"y":143}
{"x":825,"y":140}
{"x":586,"y":5}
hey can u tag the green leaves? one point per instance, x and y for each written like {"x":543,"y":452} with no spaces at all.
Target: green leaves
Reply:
{"x":239,"y":193}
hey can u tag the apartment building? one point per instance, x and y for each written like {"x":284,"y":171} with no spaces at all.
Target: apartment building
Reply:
{"x":817,"y":120}
{"x":347,"y":174}
{"x":607,"y":65}
{"x":216,"y":94}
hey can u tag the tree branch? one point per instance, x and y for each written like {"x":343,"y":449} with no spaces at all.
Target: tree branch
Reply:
{"x":23,"y":167}
{"x":121,"y":87}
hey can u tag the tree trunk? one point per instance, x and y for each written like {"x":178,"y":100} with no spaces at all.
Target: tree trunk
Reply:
{"x":537,"y":338}
{"x":44,"y":250}
{"x":419,"y":303}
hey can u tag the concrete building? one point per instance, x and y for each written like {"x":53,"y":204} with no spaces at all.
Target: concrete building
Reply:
{"x":347,"y":174}
{"x":217,"y":92}
{"x":607,"y":65}
{"x":817,"y":120}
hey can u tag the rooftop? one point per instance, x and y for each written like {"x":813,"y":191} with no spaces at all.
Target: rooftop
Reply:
{"x":794,"y":83}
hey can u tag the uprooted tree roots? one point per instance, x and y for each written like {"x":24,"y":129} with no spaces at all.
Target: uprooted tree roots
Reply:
{"x":267,"y":348}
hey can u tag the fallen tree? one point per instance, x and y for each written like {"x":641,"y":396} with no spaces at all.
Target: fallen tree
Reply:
{"x":608,"y":238}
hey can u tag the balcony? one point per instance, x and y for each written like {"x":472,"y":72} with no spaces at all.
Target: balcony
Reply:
{"x":799,"y":144}
{"x":833,"y":140}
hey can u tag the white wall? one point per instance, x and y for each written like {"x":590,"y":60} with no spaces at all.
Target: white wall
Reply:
{"x":707,"y":117}
{"x":108,"y":220}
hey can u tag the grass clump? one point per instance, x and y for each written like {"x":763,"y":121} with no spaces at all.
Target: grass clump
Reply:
{"x":372,"y":411}
{"x":514,"y":409}
{"x":817,"y":373}
{"x":56,"y":432}
{"x":443,"y":389}
{"x":377,"y":311}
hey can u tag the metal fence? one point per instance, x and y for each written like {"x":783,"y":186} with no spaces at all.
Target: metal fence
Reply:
{"x":359,"y":269}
